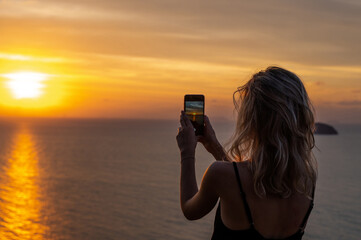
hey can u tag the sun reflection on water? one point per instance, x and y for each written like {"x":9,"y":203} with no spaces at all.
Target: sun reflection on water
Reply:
{"x":20,"y":205}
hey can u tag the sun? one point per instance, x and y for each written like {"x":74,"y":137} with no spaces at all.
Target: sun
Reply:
{"x":26,"y":84}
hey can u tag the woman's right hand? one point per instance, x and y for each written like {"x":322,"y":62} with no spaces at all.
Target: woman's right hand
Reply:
{"x":210,"y":141}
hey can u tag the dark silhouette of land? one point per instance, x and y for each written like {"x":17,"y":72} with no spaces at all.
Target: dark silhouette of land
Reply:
{"x":323,"y":128}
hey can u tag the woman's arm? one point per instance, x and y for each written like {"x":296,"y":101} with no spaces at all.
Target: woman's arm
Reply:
{"x":218,"y":152}
{"x":194,"y":203}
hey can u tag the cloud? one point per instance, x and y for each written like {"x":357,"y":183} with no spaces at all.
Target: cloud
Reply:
{"x":319,"y":83}
{"x":59,"y":10}
{"x":316,"y":32}
{"x":21,"y":57}
{"x":352,"y":103}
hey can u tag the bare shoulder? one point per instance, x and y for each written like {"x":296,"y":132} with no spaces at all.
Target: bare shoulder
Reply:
{"x":221,"y":175}
{"x":219,"y":168}
{"x":217,"y":172}
{"x":225,"y":169}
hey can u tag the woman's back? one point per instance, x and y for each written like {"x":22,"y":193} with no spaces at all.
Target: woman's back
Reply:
{"x":273,"y":217}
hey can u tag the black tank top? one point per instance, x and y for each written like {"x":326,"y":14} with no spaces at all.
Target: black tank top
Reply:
{"x":224,"y":233}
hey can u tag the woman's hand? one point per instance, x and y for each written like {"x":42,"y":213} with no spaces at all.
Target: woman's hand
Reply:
{"x":210,"y":141}
{"x":186,"y":137}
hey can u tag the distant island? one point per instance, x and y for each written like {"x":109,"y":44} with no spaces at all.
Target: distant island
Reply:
{"x":323,"y":128}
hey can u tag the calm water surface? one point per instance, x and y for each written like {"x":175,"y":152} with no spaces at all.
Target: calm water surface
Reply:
{"x":119,"y":179}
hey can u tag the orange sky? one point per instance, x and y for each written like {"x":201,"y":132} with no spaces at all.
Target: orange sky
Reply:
{"x":136,"y":59}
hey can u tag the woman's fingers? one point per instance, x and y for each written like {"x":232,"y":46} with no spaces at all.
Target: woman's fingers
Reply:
{"x":183,"y":119}
{"x":208,"y":125}
{"x":206,"y":120}
{"x":183,"y":124}
{"x":186,"y":119}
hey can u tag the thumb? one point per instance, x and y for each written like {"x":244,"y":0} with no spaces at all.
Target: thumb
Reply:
{"x":206,"y":121}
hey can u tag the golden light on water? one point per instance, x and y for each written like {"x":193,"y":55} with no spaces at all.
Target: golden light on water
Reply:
{"x":26,"y":84}
{"x":20,"y":206}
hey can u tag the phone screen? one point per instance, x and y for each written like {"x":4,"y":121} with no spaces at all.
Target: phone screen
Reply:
{"x":194,"y":109}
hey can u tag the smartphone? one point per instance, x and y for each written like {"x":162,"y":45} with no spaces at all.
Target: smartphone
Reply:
{"x":194,"y":109}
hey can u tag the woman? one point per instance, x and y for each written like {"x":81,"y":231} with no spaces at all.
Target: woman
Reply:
{"x":266,"y":183}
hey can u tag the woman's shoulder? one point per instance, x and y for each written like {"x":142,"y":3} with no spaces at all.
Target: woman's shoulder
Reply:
{"x":225,"y":167}
{"x":224,"y":171}
{"x":220,"y":167}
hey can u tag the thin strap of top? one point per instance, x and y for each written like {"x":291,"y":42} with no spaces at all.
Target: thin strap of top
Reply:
{"x":303,"y":224}
{"x":248,"y":211}
{"x":243,"y":195}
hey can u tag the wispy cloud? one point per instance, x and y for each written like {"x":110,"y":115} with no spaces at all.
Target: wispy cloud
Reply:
{"x":352,"y":103}
{"x":317,"y":32}
{"x":60,"y":10}
{"x":21,"y":57}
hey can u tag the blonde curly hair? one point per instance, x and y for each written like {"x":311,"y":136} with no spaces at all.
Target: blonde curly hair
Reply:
{"x":274,"y":131}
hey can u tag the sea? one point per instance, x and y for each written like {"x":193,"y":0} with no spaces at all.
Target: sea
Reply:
{"x":98,"y":179}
